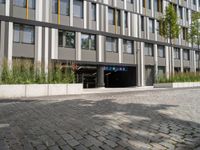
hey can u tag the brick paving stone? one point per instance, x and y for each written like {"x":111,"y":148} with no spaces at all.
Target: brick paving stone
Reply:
{"x":161,"y":119}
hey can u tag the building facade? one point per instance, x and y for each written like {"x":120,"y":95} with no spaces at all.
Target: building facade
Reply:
{"x":113,"y":42}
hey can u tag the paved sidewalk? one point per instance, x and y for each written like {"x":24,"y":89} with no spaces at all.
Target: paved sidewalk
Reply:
{"x":145,"y":120}
{"x":118,"y":90}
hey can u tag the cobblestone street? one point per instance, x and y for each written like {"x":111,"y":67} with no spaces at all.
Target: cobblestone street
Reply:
{"x":164,"y":119}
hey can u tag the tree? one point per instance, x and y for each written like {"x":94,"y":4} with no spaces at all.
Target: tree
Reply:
{"x":194,"y":33}
{"x":169,"y":28}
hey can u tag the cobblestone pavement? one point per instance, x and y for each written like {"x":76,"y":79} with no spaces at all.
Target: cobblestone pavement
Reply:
{"x":168,"y":119}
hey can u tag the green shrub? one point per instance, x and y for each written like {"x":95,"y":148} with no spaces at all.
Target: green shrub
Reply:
{"x":180,"y":77}
{"x":23,"y":71}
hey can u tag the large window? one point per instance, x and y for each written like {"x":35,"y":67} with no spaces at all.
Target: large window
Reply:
{"x":24,"y":34}
{"x":111,"y":44}
{"x":158,"y":5}
{"x":16,"y":37}
{"x":64,"y":7}
{"x":28,"y":34}
{"x":22,"y":3}
{"x":78,"y":8}
{"x":186,"y":54}
{"x":66,"y":39}
{"x":149,"y":4}
{"x":113,"y":16}
{"x":151,"y":25}
{"x":93,"y":12}
{"x":161,"y":51}
{"x":128,"y":46}
{"x":88,"y":41}
{"x":126,"y":19}
{"x":2,"y":1}
{"x":148,"y":49}
{"x":142,"y":23}
{"x":181,"y":12}
{"x":177,"y":53}
{"x":197,"y":56}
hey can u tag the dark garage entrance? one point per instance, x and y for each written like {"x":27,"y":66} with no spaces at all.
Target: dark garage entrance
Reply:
{"x":120,"y":76}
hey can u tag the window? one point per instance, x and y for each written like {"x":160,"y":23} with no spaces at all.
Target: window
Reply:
{"x":55,"y":6}
{"x":126,"y":19}
{"x":60,"y":39}
{"x":2,"y":1}
{"x":22,"y":3}
{"x":158,"y":5}
{"x":93,"y":12}
{"x":197,"y":56}
{"x":111,"y":44}
{"x":187,"y":14}
{"x":161,"y":71}
{"x":64,"y":7}
{"x":128,"y":46}
{"x":142,"y":23}
{"x":181,"y":12}
{"x":113,"y":16}
{"x":194,"y":2}
{"x":78,"y":8}
{"x":111,"y":19}
{"x":148,"y":49}
{"x":161,"y":51}
{"x":177,"y":53}
{"x":130,"y":1}
{"x":151,"y":25}
{"x":186,"y":54}
{"x":27,"y":32}
{"x":16,"y":33}
{"x":88,"y":41}
{"x":149,"y":4}
{"x":66,"y":39}
{"x":158,"y":27}
{"x":185,"y":33}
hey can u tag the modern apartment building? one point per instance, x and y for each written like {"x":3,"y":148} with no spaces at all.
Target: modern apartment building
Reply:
{"x":112,"y":42}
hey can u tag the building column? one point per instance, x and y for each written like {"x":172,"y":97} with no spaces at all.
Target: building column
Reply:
{"x":38,"y":46}
{"x":181,"y":57}
{"x":122,"y":22}
{"x":78,"y":45}
{"x":194,"y":61}
{"x":7,"y":8}
{"x":100,"y":48}
{"x":54,"y":43}
{"x":2,"y":42}
{"x":85,"y":15}
{"x":71,"y":12}
{"x":140,"y":52}
{"x":167,"y":60}
{"x":10,"y":44}
{"x":46,"y":50}
{"x":100,"y":76}
{"x":135,"y":25}
{"x":120,"y":50}
{"x":172,"y":60}
{"x":106,"y":18}
{"x":97,"y":16}
{"x":155,"y":62}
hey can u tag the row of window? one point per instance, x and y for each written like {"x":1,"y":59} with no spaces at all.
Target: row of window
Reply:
{"x":88,"y":41}
{"x":26,"y":34}
{"x":149,"y":51}
{"x":23,"y":3}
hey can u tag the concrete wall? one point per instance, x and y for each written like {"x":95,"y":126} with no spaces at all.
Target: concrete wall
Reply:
{"x":36,"y":90}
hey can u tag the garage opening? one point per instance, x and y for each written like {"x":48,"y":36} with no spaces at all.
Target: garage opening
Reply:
{"x":119,"y":76}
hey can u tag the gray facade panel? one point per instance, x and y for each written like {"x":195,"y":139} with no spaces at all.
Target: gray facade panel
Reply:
{"x":78,"y":22}
{"x":161,"y":61}
{"x":186,"y":63}
{"x":2,"y":9}
{"x":177,"y":63}
{"x":20,"y":12}
{"x":112,"y":57}
{"x":66,"y":53}
{"x":23,"y":50}
{"x":128,"y":58}
{"x":89,"y":55}
{"x":149,"y":60}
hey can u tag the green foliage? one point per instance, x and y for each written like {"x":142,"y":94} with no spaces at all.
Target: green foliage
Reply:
{"x":180,"y":77}
{"x":194,"y":34}
{"x":169,"y":27}
{"x":23,"y":71}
